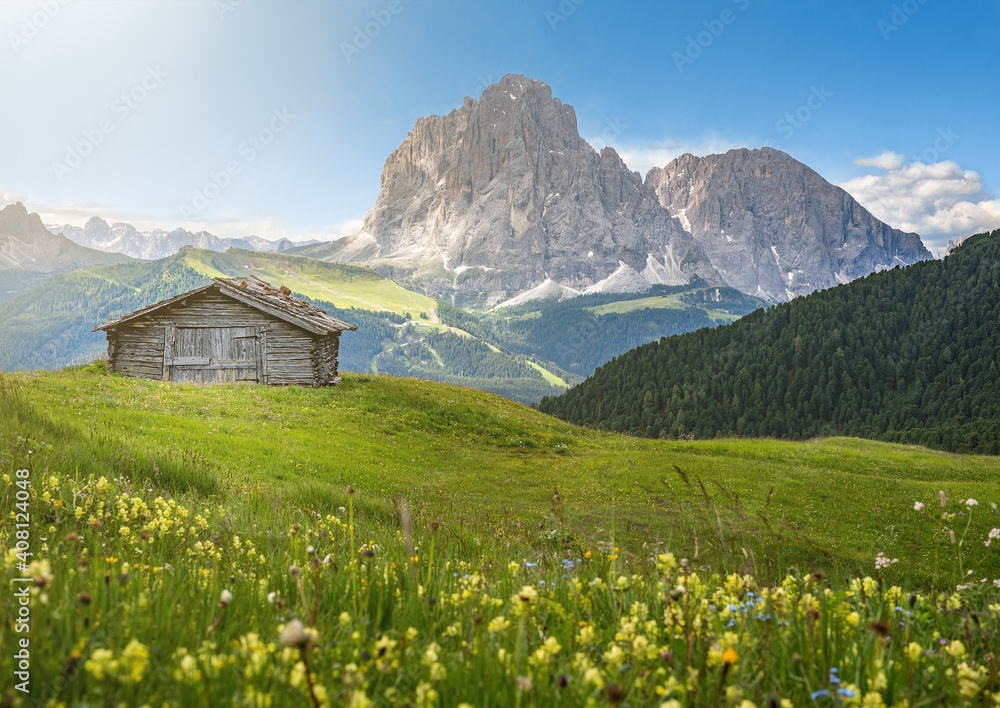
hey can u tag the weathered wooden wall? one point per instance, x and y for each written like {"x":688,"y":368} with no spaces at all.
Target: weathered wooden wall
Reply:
{"x":291,"y":356}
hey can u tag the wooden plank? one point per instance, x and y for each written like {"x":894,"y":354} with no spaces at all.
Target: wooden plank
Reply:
{"x":168,"y":345}
{"x":239,"y":365}
{"x":190,"y":361}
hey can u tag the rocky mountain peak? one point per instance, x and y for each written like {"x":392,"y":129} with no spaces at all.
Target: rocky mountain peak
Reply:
{"x":775,"y":228}
{"x":503,"y":192}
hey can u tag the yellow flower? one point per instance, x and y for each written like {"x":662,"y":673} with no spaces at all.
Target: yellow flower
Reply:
{"x":913,"y":651}
{"x":729,"y":656}
{"x":101,"y":664}
{"x":873,"y":700}
{"x":133,"y":662}
{"x":498,"y":624}
{"x":956,"y":649}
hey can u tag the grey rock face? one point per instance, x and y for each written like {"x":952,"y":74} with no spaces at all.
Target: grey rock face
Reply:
{"x":772,"y":227}
{"x":504,"y":193}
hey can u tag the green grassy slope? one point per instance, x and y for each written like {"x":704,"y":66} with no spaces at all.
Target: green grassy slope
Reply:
{"x":344,"y":286}
{"x":826,"y":505}
{"x":415,"y":530}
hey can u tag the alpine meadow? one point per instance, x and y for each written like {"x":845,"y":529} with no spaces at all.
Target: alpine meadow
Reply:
{"x":345,"y":361}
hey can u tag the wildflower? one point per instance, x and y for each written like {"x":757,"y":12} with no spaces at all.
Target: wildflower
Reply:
{"x":527,"y":594}
{"x":271,"y":596}
{"x":941,"y":494}
{"x":294,"y":635}
{"x":295,"y":571}
{"x":955,"y":649}
{"x":524,"y":683}
{"x":819,"y":694}
{"x":918,"y":506}
{"x":872,"y":699}
{"x":592,"y":676}
{"x":133,"y":662}
{"x":101,"y":663}
{"x":225,"y":597}
{"x":913,"y":651}
{"x":971,"y":502}
{"x":729,"y":656}
{"x":881,"y":561}
{"x":498,"y":625}
{"x":951,"y":534}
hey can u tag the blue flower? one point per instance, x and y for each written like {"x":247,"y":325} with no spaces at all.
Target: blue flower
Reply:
{"x":834,"y":670}
{"x":846,"y":692}
{"x":898,"y":608}
{"x":732,"y":622}
{"x":817,"y":694}
{"x":731,"y":608}
{"x":834,"y":678}
{"x":750,"y":594}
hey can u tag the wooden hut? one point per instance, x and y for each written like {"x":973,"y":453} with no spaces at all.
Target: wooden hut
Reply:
{"x":235,"y":329}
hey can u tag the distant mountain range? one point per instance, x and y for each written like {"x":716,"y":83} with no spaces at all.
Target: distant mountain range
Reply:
{"x":152,"y":245}
{"x":502,"y":196}
{"x":30,"y":254}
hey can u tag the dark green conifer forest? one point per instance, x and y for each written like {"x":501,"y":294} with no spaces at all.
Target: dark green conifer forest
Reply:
{"x":908,"y":355}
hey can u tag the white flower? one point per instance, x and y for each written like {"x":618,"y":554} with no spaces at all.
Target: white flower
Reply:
{"x":294,"y":634}
{"x":882,"y":561}
{"x":971,"y":502}
{"x":271,"y":596}
{"x":226,"y":597}
{"x":995,"y":533}
{"x":918,"y":506}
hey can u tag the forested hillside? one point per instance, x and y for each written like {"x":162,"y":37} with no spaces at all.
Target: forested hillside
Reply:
{"x":52,"y":325}
{"x":580,"y":334}
{"x":910,"y":355}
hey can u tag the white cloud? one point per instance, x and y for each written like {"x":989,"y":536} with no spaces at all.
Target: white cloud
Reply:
{"x":888,"y":160}
{"x":641,"y":157}
{"x":938,"y":200}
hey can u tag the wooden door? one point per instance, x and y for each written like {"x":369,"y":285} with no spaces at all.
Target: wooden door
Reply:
{"x":212,"y":354}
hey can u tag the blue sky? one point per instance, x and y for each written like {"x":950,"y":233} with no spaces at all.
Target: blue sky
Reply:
{"x":281,"y":114}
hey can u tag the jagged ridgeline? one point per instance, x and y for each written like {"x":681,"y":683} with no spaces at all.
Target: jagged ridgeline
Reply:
{"x":909,"y":355}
